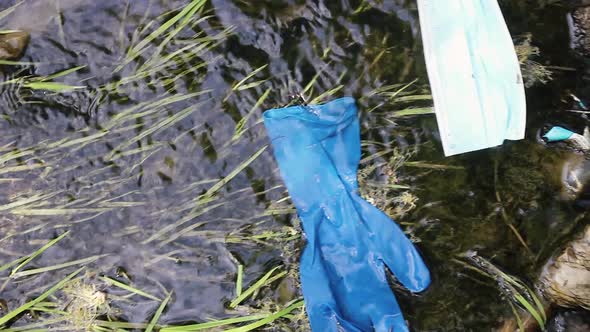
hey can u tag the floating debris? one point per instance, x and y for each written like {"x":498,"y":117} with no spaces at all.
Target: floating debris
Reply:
{"x":557,"y":134}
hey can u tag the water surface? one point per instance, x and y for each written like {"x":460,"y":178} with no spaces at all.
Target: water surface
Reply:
{"x":133,"y":194}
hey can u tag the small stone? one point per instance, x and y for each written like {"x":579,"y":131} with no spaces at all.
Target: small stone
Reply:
{"x":3,"y":307}
{"x":13,"y":45}
{"x":566,"y":279}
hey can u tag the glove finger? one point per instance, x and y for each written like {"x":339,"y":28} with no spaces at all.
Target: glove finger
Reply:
{"x":387,"y":317}
{"x":382,"y":309}
{"x":371,"y":304}
{"x":324,"y":318}
{"x":392,"y":323}
{"x":321,"y":304}
{"x":344,"y":150}
{"x":394,"y":248}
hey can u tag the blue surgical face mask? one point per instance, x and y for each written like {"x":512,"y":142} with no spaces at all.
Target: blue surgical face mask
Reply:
{"x":474,"y":74}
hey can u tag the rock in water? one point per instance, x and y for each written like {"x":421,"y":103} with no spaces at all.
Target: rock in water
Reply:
{"x":569,"y":321}
{"x":13,"y":45}
{"x":566,"y":279}
{"x":579,"y":26}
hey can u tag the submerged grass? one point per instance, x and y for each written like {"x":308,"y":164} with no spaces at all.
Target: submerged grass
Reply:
{"x":261,"y":320}
{"x":158,"y":313}
{"x":82,"y":261}
{"x":121,"y":143}
{"x":14,"y":313}
{"x":128,"y":288}
{"x":38,"y":252}
{"x":513,"y":288}
{"x":9,"y":10}
{"x":266,"y":279}
{"x":183,"y":16}
{"x":164,"y":56}
{"x":44,"y":82}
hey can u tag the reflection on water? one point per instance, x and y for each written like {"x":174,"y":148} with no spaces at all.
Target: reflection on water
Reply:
{"x":132,"y":169}
{"x":37,"y":15}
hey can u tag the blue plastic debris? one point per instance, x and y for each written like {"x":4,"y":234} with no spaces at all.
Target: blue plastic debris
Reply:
{"x":349,"y":241}
{"x":557,"y":134}
{"x":577,"y":141}
{"x":474,"y":74}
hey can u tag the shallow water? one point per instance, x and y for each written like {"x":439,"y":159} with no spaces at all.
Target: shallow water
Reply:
{"x":141,"y":207}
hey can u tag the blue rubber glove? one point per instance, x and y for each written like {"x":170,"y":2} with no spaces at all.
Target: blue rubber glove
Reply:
{"x":349,"y":241}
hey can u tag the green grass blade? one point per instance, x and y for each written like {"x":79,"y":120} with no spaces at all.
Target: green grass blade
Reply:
{"x":142,"y":45}
{"x":120,"y":325}
{"x":38,"y":326}
{"x":268,"y":319}
{"x":186,"y":19}
{"x":57,"y":211}
{"x":59,"y":74}
{"x":312,"y":82}
{"x":174,"y":236}
{"x":238,"y":85}
{"x":58,"y":266}
{"x":233,"y":173}
{"x":51,"y":86}
{"x":179,"y":223}
{"x":158,"y":313}
{"x":128,"y":114}
{"x":61,"y":144}
{"x":17,"y":63}
{"x":239,"y":280}
{"x":9,"y":10}
{"x":14,"y":155}
{"x":240,"y":125}
{"x":251,"y":85}
{"x":244,"y":295}
{"x":129,"y":288}
{"x":166,"y":123}
{"x":328,"y":93}
{"x":21,"y":168}
{"x":540,"y":307}
{"x":39,"y":252}
{"x":396,"y":93}
{"x":212,"y":324}
{"x":9,"y":316}
{"x":414,"y":111}
{"x":538,"y":303}
{"x":411,"y":98}
{"x":422,"y":164}
{"x":517,"y":316}
{"x":383,"y":90}
{"x":11,"y":264}
{"x":143,"y":149}
{"x":531,"y":310}
{"x":157,"y":64}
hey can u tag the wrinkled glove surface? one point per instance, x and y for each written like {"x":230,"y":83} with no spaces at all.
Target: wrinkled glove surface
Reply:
{"x":317,"y":148}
